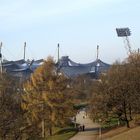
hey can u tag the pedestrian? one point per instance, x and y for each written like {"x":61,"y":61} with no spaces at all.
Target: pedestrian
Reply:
{"x":83,"y":127}
{"x":80,"y":128}
{"x":74,"y":119}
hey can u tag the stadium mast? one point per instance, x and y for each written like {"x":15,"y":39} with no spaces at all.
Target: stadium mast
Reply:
{"x":58,"y":52}
{"x":97,"y":52}
{"x":24,"y":50}
{"x":0,"y":58}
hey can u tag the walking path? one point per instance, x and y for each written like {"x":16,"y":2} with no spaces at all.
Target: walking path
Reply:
{"x":91,"y":129}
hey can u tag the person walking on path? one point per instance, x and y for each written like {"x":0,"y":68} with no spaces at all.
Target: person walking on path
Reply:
{"x":85,"y":124}
{"x":83,"y":127}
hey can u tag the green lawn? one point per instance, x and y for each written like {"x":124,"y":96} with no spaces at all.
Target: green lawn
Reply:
{"x":63,"y":134}
{"x":80,"y":106}
{"x":112,"y":122}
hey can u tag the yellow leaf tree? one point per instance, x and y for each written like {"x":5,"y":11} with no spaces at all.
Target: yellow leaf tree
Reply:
{"x":47,"y":99}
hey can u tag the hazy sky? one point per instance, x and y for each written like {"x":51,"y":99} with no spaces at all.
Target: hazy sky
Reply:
{"x":78,"y":25}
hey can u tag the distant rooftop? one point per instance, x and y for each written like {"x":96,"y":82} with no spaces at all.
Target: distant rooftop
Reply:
{"x":73,"y":69}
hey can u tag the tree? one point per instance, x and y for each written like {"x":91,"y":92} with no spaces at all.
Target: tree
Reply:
{"x":117,"y":93}
{"x":99,"y":101}
{"x":47,"y":99}
{"x":10,"y":108}
{"x":82,"y":88}
{"x":134,"y":68}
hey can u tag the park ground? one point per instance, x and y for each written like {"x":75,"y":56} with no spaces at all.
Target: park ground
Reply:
{"x":123,"y":133}
{"x":92,"y":131}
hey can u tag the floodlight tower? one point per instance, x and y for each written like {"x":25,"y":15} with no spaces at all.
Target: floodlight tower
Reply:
{"x":125,"y":33}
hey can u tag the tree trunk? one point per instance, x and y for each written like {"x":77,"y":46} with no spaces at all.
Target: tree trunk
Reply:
{"x":130,"y":112}
{"x":43,"y":128}
{"x":50,"y":131}
{"x":125,"y":114}
{"x":17,"y":137}
{"x":127,"y":123}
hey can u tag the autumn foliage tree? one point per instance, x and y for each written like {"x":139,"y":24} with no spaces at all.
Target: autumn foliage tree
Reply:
{"x":82,"y":88}
{"x":47,"y":99}
{"x":117,"y":93}
{"x":11,"y":119}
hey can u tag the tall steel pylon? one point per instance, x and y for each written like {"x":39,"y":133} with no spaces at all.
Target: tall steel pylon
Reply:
{"x":0,"y":58}
{"x":97,"y":52}
{"x":58,"y":47}
{"x":127,"y":45}
{"x":24,"y":51}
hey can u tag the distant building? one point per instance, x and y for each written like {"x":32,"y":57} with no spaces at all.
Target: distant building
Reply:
{"x":21,"y":69}
{"x":73,"y":69}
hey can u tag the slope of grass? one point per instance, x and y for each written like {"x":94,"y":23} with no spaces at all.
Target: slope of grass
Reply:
{"x":132,"y":134}
{"x":63,"y":134}
{"x":111,"y":123}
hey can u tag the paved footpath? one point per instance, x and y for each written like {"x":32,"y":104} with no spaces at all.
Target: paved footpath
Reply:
{"x":91,"y":129}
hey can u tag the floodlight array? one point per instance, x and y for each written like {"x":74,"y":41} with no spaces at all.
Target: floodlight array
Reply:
{"x":123,"y":32}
